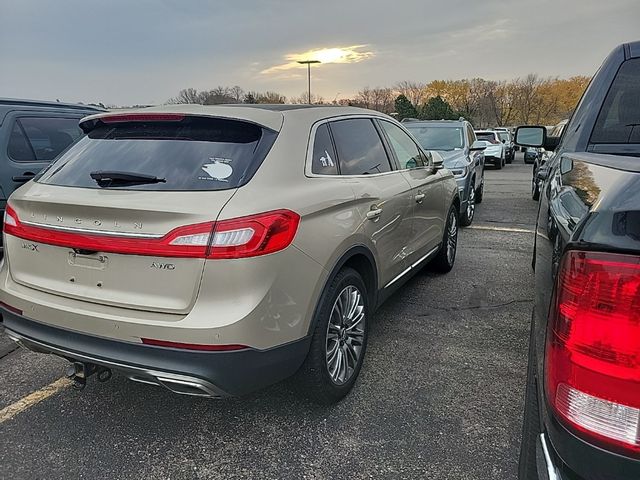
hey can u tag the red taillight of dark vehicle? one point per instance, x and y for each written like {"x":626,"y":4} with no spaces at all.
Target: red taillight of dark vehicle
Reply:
{"x":592,"y":362}
{"x":250,"y":236}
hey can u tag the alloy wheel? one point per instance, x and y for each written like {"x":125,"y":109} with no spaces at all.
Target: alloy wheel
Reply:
{"x":452,"y":237}
{"x":345,"y":335}
{"x":471,"y":203}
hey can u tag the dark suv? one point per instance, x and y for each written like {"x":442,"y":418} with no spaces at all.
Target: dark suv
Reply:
{"x":582,"y":407}
{"x":32,"y":134}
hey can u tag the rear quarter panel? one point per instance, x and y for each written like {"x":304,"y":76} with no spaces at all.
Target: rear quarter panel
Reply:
{"x":587,"y":206}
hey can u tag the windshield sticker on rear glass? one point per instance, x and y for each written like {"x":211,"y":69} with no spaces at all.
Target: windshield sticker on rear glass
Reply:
{"x":218,"y":169}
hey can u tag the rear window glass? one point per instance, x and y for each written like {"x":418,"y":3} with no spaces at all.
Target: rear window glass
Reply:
{"x":487,"y":137}
{"x":196,"y":153}
{"x":619,"y":118}
{"x":37,"y":139}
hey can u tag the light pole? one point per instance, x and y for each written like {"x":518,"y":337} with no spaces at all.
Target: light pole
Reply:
{"x":308,"y":64}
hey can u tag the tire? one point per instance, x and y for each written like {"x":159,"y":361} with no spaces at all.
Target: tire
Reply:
{"x":480,"y":192}
{"x":510,"y":159}
{"x":535,"y":190}
{"x":498,"y":165}
{"x":443,"y":261}
{"x":466,"y":217}
{"x":527,"y":467}
{"x":314,"y":377}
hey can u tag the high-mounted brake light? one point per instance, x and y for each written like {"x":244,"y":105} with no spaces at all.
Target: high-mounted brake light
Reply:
{"x":142,"y":117}
{"x":592,"y":363}
{"x":237,"y":238}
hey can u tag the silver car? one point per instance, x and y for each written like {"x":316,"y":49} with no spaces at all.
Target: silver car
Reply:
{"x":214,"y":250}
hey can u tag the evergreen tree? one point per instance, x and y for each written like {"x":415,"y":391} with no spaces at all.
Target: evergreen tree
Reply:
{"x":437,"y":108}
{"x":404,"y":108}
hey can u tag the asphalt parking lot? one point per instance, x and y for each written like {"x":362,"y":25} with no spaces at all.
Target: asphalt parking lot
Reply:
{"x":440,"y":395}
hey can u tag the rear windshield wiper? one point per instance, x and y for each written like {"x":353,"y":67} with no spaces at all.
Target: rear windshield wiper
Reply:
{"x":109,"y":177}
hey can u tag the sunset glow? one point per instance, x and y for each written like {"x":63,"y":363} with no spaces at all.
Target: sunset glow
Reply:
{"x":352,"y":54}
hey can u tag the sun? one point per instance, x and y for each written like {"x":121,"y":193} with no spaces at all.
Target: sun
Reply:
{"x":352,"y":54}
{"x":329,"y":55}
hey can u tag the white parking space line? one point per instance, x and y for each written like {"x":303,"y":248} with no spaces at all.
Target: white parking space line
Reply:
{"x":33,"y":399}
{"x":500,"y":229}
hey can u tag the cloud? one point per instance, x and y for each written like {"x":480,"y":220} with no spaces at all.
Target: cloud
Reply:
{"x":352,"y":54}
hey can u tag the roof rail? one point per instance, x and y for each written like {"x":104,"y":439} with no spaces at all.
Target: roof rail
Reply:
{"x":44,"y":103}
{"x":409,"y":119}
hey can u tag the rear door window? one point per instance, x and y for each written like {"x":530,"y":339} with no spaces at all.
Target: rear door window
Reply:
{"x":359,"y":147}
{"x":195,"y":153}
{"x":619,"y":118}
{"x":324,"y":161}
{"x":39,"y":139}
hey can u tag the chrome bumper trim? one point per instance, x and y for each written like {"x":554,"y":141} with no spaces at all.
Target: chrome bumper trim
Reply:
{"x":551,"y":472}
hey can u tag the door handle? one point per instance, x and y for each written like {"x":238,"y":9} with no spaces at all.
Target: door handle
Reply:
{"x":419,"y":197}
{"x":25,"y":177}
{"x":374,"y":213}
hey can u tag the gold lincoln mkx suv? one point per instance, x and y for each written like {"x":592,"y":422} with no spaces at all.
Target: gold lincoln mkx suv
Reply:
{"x":215,"y":250}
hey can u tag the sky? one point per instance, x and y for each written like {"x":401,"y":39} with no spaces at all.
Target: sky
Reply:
{"x":145,"y":51}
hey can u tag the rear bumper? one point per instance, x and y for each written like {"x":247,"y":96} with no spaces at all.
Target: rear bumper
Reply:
{"x":211,"y":374}
{"x":548,"y":468}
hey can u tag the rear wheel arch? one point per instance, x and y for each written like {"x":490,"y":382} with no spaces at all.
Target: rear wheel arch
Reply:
{"x":362,"y":261}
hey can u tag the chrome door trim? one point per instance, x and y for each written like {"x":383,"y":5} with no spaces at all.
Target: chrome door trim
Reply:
{"x":412,"y":266}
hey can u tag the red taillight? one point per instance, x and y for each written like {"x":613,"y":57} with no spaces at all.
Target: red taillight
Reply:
{"x":241,"y":237}
{"x":592,"y":363}
{"x":193,"y":346}
{"x":255,"y":235}
{"x":142,"y":117}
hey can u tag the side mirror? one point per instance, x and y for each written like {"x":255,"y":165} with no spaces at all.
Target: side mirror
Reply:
{"x":531,"y":136}
{"x":504,"y":141}
{"x":478,"y":145}
{"x":437,"y":160}
{"x":542,"y":174}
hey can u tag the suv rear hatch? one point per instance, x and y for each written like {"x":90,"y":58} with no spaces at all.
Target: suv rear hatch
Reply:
{"x":125,"y":216}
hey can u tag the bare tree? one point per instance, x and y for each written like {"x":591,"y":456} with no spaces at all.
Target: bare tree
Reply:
{"x":414,"y":91}
{"x":303,"y":98}
{"x":380,"y":99}
{"x":188,"y":95}
{"x":270,"y":97}
{"x":217,"y":96}
{"x":237,"y":93}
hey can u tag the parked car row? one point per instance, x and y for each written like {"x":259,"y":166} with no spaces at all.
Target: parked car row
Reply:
{"x":455,"y":141}
{"x":262,"y":253}
{"x":540,"y":160}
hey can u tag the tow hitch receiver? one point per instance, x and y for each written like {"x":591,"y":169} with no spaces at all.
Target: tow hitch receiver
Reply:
{"x":79,"y":372}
